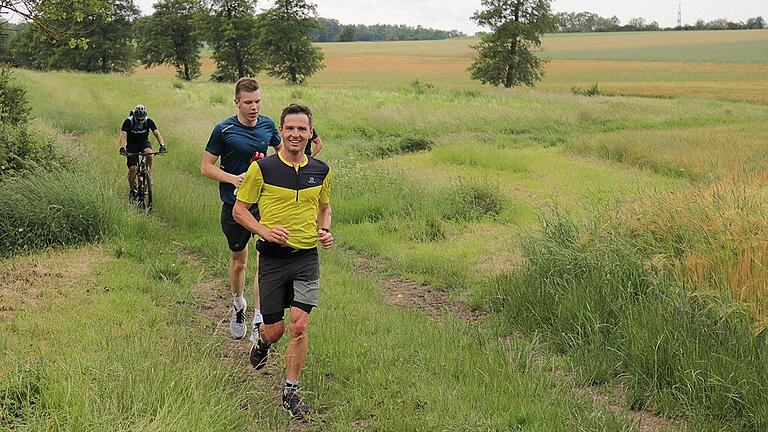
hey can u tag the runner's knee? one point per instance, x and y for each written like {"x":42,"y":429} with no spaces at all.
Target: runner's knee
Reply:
{"x":239,"y":260}
{"x":273,"y":332}
{"x":299,"y":323}
{"x":299,"y":329}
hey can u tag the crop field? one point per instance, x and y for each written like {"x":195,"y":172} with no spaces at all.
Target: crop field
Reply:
{"x":524,"y":259}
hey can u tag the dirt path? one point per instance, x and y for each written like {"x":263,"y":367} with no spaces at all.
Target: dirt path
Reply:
{"x":214,"y":305}
{"x":435,"y":303}
{"x":431,"y":301}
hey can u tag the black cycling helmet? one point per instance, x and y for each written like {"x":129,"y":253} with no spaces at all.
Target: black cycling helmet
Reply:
{"x":140,"y":112}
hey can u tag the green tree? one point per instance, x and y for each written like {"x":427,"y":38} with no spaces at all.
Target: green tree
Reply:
{"x":169,"y":36}
{"x":58,"y":20}
{"x":110,"y":42}
{"x":504,"y":56}
{"x":347,"y":34}
{"x":5,"y":42}
{"x":109,"y":48}
{"x":286,"y":31}
{"x":756,"y":23}
{"x":232,"y":33}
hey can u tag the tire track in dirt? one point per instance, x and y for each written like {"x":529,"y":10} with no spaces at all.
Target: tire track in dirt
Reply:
{"x":434,"y":303}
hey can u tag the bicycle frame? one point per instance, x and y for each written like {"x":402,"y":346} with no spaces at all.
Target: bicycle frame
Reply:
{"x":144,"y":181}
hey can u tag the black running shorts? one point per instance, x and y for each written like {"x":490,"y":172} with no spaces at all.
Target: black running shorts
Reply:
{"x":292,"y":280}
{"x":237,"y":236}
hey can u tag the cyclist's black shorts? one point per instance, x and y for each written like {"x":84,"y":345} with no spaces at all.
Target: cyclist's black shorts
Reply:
{"x":237,"y":236}
{"x":135,"y":148}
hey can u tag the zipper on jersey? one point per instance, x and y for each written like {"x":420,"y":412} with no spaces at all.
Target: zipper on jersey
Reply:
{"x":296,"y":167}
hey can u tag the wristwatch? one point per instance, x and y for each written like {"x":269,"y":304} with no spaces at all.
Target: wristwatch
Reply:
{"x":326,"y":230}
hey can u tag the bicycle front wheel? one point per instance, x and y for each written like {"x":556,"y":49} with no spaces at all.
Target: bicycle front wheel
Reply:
{"x":147,"y":197}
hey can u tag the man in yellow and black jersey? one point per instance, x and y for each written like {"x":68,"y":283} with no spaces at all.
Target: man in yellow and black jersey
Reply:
{"x":292,"y":191}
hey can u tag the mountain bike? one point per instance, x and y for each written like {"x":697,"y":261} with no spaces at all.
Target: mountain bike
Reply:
{"x":143,"y":196}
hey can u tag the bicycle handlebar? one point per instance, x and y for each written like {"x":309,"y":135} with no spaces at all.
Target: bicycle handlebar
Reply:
{"x":144,"y":154}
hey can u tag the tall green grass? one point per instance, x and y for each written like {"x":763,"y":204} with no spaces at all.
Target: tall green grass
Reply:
{"x":591,"y":289}
{"x":54,"y":208}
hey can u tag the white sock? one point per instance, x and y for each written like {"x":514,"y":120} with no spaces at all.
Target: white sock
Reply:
{"x":257,"y":318}
{"x":240,"y":303}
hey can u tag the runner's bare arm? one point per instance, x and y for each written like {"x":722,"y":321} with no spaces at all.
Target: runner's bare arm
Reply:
{"x":159,"y":137}
{"x":324,"y":225}
{"x":209,"y":169}
{"x":122,"y":139}
{"x":318,"y":146}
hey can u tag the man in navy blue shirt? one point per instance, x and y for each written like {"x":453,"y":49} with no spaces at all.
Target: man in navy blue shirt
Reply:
{"x":235,"y":142}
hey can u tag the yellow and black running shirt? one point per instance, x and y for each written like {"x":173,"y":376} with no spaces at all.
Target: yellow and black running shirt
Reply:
{"x":288,"y":195}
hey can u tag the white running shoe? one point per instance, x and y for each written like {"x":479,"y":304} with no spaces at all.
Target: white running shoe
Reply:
{"x":237,"y":323}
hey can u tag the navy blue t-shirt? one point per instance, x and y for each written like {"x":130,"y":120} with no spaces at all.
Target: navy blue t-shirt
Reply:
{"x":235,"y":144}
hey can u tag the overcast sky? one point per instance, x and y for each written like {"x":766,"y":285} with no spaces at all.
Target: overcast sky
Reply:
{"x":454,"y":14}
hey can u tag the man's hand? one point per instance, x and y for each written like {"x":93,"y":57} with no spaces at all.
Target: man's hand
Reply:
{"x":163,"y":149}
{"x":122,"y":151}
{"x":325,"y":237}
{"x":277,"y":235}
{"x":237,"y":180}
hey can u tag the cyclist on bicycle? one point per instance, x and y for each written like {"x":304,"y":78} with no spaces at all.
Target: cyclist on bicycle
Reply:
{"x":134,"y":138}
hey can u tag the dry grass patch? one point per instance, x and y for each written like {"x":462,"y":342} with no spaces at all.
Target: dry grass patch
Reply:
{"x":29,"y":281}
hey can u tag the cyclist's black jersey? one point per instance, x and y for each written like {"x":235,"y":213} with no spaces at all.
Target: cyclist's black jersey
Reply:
{"x":138,"y":131}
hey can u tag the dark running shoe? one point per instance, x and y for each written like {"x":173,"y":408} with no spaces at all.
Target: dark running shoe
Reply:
{"x":259,"y":354}
{"x":294,"y":405}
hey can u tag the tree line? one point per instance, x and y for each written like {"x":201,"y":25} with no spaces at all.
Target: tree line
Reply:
{"x":112,"y":36}
{"x":242,"y":41}
{"x":577,"y":22}
{"x":333,"y":31}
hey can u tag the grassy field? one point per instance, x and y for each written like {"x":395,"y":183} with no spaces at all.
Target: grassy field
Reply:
{"x":574,"y":223}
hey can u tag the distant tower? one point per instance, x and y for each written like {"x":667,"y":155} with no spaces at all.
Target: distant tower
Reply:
{"x":680,"y":14}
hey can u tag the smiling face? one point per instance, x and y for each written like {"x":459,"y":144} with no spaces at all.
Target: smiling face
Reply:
{"x":295,"y":131}
{"x":248,"y":107}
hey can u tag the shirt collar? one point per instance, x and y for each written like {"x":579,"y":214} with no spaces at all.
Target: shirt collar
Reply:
{"x":301,"y":165}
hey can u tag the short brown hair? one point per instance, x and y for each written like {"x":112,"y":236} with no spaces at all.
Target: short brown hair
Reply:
{"x":245,"y":84}
{"x":296,"y":109}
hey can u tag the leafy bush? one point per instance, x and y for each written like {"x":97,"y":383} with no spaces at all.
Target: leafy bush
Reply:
{"x":473,"y":200}
{"x":403,"y":146}
{"x":422,"y":88}
{"x":426,"y":227}
{"x":21,"y":150}
{"x":14,"y":108}
{"x":594,"y":90}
